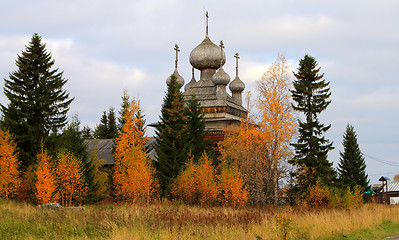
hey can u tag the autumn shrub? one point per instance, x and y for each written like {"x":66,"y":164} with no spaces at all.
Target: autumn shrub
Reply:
{"x":133,"y":177}
{"x":46,"y":185}
{"x":9,"y":174}
{"x":27,"y":186}
{"x":232,"y":190}
{"x":317,"y":195}
{"x":197,"y":183}
{"x":70,"y":178}
{"x":346,"y":198}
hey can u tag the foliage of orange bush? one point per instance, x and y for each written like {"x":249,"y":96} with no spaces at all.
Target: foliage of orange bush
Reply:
{"x":245,"y":147}
{"x":9,"y":175}
{"x":318,"y":195}
{"x":46,"y":185}
{"x":232,"y":190}
{"x":200,"y":184}
{"x":71,"y":183}
{"x":26,"y":188}
{"x":133,"y":176}
{"x":197,"y":184}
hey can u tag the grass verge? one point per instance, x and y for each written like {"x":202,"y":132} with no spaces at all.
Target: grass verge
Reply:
{"x":176,"y":221}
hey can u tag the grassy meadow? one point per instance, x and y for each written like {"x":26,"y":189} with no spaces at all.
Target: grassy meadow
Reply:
{"x":176,"y":221}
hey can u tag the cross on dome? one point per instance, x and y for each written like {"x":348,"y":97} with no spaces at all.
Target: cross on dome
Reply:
{"x":207,"y":22}
{"x":177,"y":53}
{"x":237,"y":57}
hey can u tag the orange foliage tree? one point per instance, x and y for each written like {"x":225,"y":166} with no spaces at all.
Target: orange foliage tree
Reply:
{"x":232,"y":190}
{"x":46,"y":185}
{"x":277,"y":117}
{"x":9,"y":175}
{"x":317,"y":195}
{"x":197,"y":184}
{"x":70,"y":178}
{"x":245,"y":148}
{"x":133,"y":176}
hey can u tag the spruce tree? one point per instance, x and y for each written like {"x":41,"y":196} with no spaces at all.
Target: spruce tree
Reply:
{"x":101,"y":131}
{"x":310,"y":95}
{"x":124,"y":107}
{"x":38,"y":104}
{"x":352,"y":167}
{"x":112,"y":130}
{"x":197,"y":144}
{"x":172,"y":137}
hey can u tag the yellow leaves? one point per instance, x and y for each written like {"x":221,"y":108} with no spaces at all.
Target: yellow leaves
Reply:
{"x":133,"y":174}
{"x":45,"y":186}
{"x":317,"y":196}
{"x":70,"y":178}
{"x":133,"y":177}
{"x":197,"y":183}
{"x":232,"y":190}
{"x":9,"y":175}
{"x":200,"y":184}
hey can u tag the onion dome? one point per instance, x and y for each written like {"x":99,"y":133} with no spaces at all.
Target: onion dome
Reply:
{"x":179,"y":78}
{"x":237,"y":85}
{"x":221,"y":77}
{"x":191,"y":83}
{"x":207,"y":54}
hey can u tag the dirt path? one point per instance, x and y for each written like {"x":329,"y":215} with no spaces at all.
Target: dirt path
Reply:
{"x":392,"y":238}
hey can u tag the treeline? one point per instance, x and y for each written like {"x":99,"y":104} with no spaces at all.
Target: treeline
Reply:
{"x":272,"y":157}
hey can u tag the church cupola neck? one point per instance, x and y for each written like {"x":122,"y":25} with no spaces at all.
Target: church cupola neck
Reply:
{"x":179,"y":78}
{"x":191,"y":83}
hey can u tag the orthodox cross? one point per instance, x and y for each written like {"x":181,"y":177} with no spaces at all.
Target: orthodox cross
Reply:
{"x":207,"y":19}
{"x":237,"y":57}
{"x":221,"y":52}
{"x":177,"y":52}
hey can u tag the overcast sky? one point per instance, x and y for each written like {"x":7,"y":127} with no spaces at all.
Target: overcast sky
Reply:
{"x":106,"y":46}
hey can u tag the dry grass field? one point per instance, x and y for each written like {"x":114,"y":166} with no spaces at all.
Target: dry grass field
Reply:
{"x":176,"y":221}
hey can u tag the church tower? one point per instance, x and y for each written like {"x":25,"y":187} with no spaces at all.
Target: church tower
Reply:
{"x":219,"y":107}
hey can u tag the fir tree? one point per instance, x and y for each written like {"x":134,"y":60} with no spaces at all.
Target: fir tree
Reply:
{"x":112,"y":130}
{"x":140,"y":125}
{"x":101,"y":131}
{"x":197,"y":144}
{"x":87,"y":133}
{"x":172,"y":137}
{"x":311,"y":94}
{"x":124,"y":108}
{"x":38,"y":104}
{"x":352,"y":167}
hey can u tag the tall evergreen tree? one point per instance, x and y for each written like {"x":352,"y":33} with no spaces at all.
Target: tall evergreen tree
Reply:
{"x":112,"y":126}
{"x":38,"y":103}
{"x":140,"y":122}
{"x":196,"y":128}
{"x":107,"y":128}
{"x":124,"y":108}
{"x":101,"y":131}
{"x":172,"y":137}
{"x":351,"y":166}
{"x":310,"y":95}
{"x":87,"y":133}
